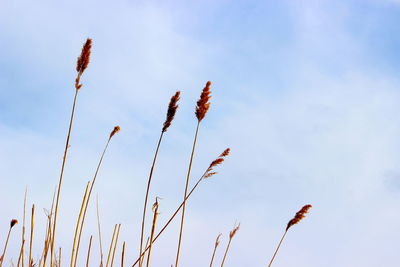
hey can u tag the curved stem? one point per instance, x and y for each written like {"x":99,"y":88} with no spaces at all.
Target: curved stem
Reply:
{"x":277,"y":248}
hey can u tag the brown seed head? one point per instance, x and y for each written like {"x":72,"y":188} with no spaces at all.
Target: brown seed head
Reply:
{"x":13,"y":222}
{"x":233,"y":232}
{"x":172,"y":107}
{"x":216,"y":162}
{"x":114,"y":131}
{"x":298,"y":217}
{"x":203,"y":103}
{"x":84,"y":58}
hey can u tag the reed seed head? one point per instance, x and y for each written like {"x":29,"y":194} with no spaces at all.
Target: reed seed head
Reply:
{"x":234,"y":230}
{"x":13,"y":222}
{"x":299,"y":216}
{"x":216,"y":162}
{"x":203,"y":103}
{"x":84,"y":58}
{"x":114,"y":131}
{"x":172,"y":107}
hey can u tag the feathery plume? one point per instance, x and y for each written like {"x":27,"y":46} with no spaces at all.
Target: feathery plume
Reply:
{"x":114,"y":131}
{"x":298,"y":217}
{"x":232,"y":233}
{"x":234,"y":230}
{"x":84,"y":58}
{"x":203,"y":103}
{"x":172,"y":107}
{"x":209,"y":172}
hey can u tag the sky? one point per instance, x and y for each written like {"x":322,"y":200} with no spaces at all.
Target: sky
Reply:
{"x":305,"y":93}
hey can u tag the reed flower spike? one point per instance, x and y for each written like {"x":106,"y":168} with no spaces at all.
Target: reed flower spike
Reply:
{"x":232,"y":233}
{"x":13,"y":222}
{"x":114,"y":131}
{"x":83,"y":61}
{"x":172,"y":107}
{"x":203,"y":103}
{"x":209,"y":172}
{"x":298,"y":217}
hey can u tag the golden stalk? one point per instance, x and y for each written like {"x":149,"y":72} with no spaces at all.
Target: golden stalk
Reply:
{"x":31,"y":237}
{"x":115,"y":245}
{"x":88,"y":253}
{"x":98,"y":226}
{"x":172,"y":107}
{"x":153,"y":228}
{"x":123,"y":255}
{"x":82,"y":64}
{"x":20,"y":253}
{"x":111,"y":245}
{"x":78,"y":225}
{"x":231,"y":235}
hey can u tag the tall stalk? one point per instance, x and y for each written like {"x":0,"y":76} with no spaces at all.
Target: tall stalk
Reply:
{"x":231,"y":235}
{"x":31,"y":237}
{"x":153,"y":228}
{"x":99,"y":229}
{"x":172,"y":107}
{"x":202,"y":107}
{"x":88,"y":253}
{"x":82,"y":63}
{"x":215,"y":249}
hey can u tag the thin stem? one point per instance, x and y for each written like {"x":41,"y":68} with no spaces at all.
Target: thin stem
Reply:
{"x":170,"y":219}
{"x":215,"y":249}
{"x":277,"y":248}
{"x":123,"y":255}
{"x":31,"y":237}
{"x":88,"y":253}
{"x":152,"y":233}
{"x":88,"y":198}
{"x":59,"y":257}
{"x":61,"y":175}
{"x":115,"y":245}
{"x":78,"y":224}
{"x":147,"y":195}
{"x":111,"y":245}
{"x":98,"y":226}
{"x":23,"y":228}
{"x":5,"y":248}
{"x":20,"y":253}
{"x":184,"y":196}
{"x":226,"y":252}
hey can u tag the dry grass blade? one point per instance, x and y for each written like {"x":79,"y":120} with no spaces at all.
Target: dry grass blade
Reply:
{"x":12,"y":224}
{"x":215,"y":249}
{"x":111,"y":245}
{"x":296,"y":219}
{"x":115,"y":246}
{"x":88,"y":253}
{"x":153,"y":228}
{"x":82,"y":64}
{"x":32,"y":234}
{"x":78,"y":224}
{"x":99,"y":229}
{"x":231,"y":235}
{"x":172,"y":108}
{"x":123,"y":255}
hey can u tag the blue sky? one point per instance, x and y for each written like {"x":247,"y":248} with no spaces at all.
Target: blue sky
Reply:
{"x":304,"y":92}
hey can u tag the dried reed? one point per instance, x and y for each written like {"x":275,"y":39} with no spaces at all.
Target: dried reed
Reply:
{"x":153,"y":228}
{"x":172,"y":108}
{"x":99,"y":229}
{"x":81,"y":65}
{"x":115,"y":245}
{"x":12,"y":224}
{"x":123,"y":255}
{"x":202,"y":107}
{"x":207,"y":174}
{"x":86,"y":202}
{"x":215,"y":249}
{"x":296,"y":219}
{"x":231,"y":235}
{"x":111,"y":245}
